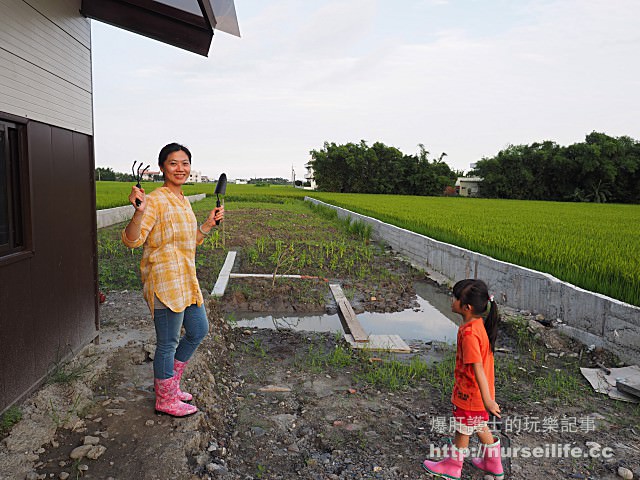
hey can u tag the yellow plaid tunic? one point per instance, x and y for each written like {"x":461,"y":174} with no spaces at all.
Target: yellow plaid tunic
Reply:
{"x":168,"y":268}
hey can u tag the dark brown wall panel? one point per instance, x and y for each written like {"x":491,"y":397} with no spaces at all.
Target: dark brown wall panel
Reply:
{"x":16,"y":324}
{"x":58,"y":284}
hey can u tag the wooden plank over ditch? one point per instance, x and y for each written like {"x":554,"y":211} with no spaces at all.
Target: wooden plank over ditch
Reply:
{"x":223,"y":277}
{"x":387,"y":343}
{"x":347,"y":316}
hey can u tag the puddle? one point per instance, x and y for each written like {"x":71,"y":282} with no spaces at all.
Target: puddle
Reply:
{"x":432,"y":320}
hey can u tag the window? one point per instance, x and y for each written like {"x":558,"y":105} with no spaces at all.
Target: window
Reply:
{"x":11,"y":195}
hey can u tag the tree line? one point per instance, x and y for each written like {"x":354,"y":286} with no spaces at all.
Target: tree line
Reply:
{"x":107,"y":174}
{"x":600,"y":169}
{"x":359,"y":168}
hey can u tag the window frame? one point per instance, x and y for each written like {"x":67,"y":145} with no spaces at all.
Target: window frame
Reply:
{"x":20,"y":244}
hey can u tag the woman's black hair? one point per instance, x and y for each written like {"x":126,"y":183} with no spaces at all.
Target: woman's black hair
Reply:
{"x":475,"y":293}
{"x":170,"y":148}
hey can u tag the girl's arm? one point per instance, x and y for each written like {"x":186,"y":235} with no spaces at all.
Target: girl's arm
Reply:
{"x":489,"y":403}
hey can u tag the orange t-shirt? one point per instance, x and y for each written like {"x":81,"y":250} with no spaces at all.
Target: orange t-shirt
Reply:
{"x":473,"y":347}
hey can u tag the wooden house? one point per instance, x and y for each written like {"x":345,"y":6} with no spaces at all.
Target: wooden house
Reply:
{"x":48,"y":249}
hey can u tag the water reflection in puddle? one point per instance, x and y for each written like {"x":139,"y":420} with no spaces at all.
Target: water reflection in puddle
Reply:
{"x":432,"y":320}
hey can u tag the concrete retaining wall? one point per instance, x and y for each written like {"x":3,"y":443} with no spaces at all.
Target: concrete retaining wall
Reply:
{"x":111,"y":216}
{"x":589,"y":317}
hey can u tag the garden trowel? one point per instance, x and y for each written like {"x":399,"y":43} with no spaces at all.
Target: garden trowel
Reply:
{"x":221,"y":189}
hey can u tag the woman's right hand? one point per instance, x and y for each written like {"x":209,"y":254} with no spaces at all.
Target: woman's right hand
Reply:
{"x":138,"y":194}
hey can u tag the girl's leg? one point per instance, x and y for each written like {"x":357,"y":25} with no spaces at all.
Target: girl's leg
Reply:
{"x":486,"y":436}
{"x":461,"y":440}
{"x":167,"y":324}
{"x":196,"y":327}
{"x":490,"y":458}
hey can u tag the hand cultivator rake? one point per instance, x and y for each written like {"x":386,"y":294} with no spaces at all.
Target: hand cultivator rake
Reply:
{"x":138,"y":176}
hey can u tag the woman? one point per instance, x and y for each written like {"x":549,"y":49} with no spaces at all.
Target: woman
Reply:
{"x":165,"y":224}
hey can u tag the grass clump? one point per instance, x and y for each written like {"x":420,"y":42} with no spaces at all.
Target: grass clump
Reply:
{"x":9,"y":418}
{"x":318,"y":359}
{"x":393,"y":374}
{"x":68,"y":372}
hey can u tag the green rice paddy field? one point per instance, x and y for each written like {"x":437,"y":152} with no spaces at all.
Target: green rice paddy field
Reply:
{"x":593,"y":246}
{"x":116,"y":194}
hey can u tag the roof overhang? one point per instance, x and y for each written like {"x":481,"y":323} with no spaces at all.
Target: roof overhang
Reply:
{"x":186,"y":24}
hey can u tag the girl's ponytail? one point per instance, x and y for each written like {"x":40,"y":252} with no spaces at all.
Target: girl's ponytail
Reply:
{"x":491,"y":322}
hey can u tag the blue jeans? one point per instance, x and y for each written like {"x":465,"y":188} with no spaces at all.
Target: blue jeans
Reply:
{"x":169,"y":345}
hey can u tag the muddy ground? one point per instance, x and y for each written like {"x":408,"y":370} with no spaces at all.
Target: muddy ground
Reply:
{"x":289,"y":405}
{"x":274,"y":406}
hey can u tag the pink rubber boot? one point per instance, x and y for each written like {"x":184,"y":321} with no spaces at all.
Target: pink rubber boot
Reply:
{"x":179,"y":367}
{"x":167,"y":401}
{"x":449,"y":467}
{"x":491,"y":460}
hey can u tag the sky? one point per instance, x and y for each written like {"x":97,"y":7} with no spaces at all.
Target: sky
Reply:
{"x":467,"y":78}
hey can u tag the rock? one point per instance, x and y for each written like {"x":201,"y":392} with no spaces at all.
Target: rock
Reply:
{"x":64,"y":475}
{"x":216,"y":469}
{"x":149,"y":423}
{"x":274,"y":389}
{"x":284,"y":421}
{"x":116,"y":411}
{"x":138,"y":357}
{"x":31,"y":476}
{"x":89,"y":440}
{"x":96,"y":452}
{"x":625,"y":473}
{"x":80,"y":452}
{"x":83,"y":467}
{"x":150,"y":350}
{"x":293,"y":448}
{"x":488,"y":477}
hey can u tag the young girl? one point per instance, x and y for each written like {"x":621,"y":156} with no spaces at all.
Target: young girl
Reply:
{"x":473,"y":392}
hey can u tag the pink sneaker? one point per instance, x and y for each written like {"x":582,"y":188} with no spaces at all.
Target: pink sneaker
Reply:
{"x":449,"y":467}
{"x":179,"y":367}
{"x":167,"y":400}
{"x":491,"y":460}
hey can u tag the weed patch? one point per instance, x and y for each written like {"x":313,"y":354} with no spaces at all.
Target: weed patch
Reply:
{"x":9,"y":418}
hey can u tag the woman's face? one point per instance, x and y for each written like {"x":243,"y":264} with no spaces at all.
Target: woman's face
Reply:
{"x":176,"y":168}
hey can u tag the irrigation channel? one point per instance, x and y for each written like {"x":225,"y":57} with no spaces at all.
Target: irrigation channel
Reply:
{"x":432,"y":320}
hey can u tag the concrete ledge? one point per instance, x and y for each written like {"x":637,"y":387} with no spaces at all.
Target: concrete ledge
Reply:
{"x":587,"y":315}
{"x":111,"y":216}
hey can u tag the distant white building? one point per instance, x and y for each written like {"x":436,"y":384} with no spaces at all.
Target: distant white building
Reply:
{"x":149,"y":175}
{"x":241,"y":181}
{"x":195,"y":176}
{"x":309,"y":177}
{"x":468,"y":186}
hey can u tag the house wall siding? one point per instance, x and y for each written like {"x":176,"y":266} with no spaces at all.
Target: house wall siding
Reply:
{"x":45,"y":63}
{"x":48,"y":301}
{"x":48,"y":292}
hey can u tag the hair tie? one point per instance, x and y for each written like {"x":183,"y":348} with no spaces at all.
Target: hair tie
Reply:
{"x":491,"y":298}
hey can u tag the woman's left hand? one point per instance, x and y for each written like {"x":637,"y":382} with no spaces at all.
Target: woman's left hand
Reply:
{"x":215,"y":216}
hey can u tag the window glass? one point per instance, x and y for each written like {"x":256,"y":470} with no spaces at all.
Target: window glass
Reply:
{"x":11,"y":198}
{"x":4,"y":188}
